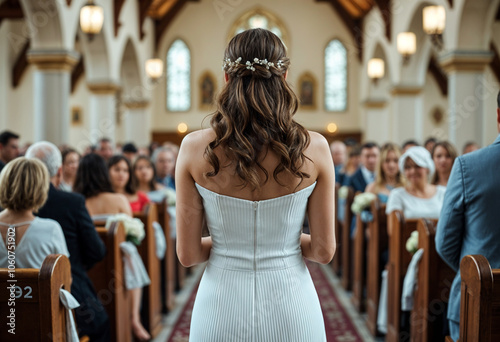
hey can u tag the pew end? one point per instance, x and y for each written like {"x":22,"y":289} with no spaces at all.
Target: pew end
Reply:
{"x":480,"y":300}
{"x":152,"y":303}
{"x":347,"y":272}
{"x":399,"y":230}
{"x":39,"y":314}
{"x":377,"y":243}
{"x":109,"y":282}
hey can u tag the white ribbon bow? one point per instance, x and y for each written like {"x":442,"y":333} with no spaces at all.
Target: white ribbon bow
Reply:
{"x":69,"y":303}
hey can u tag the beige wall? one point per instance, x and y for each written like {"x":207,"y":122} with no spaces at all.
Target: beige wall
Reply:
{"x":311,"y":25}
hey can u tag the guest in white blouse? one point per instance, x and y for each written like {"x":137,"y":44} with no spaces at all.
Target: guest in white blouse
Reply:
{"x":24,"y":185}
{"x":418,"y":198}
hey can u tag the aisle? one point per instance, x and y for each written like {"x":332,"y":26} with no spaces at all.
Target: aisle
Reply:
{"x":341,"y":321}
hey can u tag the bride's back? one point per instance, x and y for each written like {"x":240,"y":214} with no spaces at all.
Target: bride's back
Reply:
{"x":227,"y":182}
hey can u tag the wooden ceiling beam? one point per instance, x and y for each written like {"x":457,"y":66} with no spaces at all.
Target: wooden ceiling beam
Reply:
{"x":144,"y":6}
{"x":495,"y":61}
{"x":439,"y":75}
{"x":20,"y":65}
{"x":11,"y":9}
{"x":385,"y":9}
{"x":117,"y":8}
{"x":162,"y":24}
{"x":353,"y":25}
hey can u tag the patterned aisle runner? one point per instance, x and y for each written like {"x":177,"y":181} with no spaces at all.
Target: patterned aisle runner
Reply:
{"x":339,"y":327}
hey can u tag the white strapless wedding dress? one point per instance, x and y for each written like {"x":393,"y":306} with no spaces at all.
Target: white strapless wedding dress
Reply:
{"x":256,"y":286}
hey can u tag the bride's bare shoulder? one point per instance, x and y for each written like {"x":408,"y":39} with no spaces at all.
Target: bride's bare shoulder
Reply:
{"x":318,"y":143}
{"x":197,"y":138}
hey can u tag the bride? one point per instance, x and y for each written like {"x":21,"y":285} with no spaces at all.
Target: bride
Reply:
{"x":253,"y":176}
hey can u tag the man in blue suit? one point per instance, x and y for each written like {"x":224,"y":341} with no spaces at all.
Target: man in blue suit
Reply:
{"x":469,"y":221}
{"x":366,"y":173}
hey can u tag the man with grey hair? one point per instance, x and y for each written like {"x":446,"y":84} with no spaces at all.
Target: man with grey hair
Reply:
{"x":84,"y":245}
{"x":164,"y":159}
{"x":339,"y":155}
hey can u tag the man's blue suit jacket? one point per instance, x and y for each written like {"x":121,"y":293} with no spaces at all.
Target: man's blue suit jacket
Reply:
{"x":470,"y":218}
{"x":357,"y":181}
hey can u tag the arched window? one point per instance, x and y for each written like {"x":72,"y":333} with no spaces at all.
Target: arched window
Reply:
{"x":259,"y":18}
{"x":335,"y":77}
{"x":178,"y":77}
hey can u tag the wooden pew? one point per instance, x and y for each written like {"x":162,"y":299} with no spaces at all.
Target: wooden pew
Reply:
{"x":39,"y":314}
{"x":337,"y":258}
{"x":359,"y":266}
{"x":168,"y":263}
{"x":399,"y":231}
{"x":109,"y":282}
{"x":346,"y":243}
{"x":152,"y":303}
{"x":433,"y":288}
{"x":377,"y":244}
{"x":479,"y":301}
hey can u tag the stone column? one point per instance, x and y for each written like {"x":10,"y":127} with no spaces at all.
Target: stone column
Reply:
{"x":378,"y":121}
{"x":136,"y":122}
{"x":103,"y":109}
{"x":51,"y":91}
{"x":407,"y":113}
{"x":468,"y":89}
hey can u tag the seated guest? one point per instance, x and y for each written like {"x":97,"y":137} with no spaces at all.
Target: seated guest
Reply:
{"x":350,"y":166}
{"x":130,"y":151}
{"x":24,"y":184}
{"x":418,"y":198}
{"x":9,"y":147}
{"x":469,"y":147}
{"x":164,"y":160}
{"x":70,"y":160}
{"x":85,"y":246}
{"x":92,"y":181}
{"x":366,"y":172}
{"x":387,"y":172}
{"x":409,"y":143}
{"x":145,"y":177}
{"x":122,"y":181}
{"x":339,"y":156}
{"x":429,"y":144}
{"x":105,"y":148}
{"x":443,"y":155}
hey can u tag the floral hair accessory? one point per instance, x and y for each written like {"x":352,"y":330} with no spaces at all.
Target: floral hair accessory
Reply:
{"x":250,"y":65}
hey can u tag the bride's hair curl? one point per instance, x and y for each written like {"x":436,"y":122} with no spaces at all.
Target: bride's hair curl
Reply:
{"x":255,"y":110}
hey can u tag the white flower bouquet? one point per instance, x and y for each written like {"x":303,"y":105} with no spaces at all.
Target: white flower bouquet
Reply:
{"x":343,"y":191}
{"x":362,"y":201}
{"x":170,"y":195}
{"x":412,"y":242}
{"x":134,"y":228}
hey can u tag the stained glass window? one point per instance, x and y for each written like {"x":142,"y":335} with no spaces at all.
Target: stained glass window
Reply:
{"x":178,"y":77}
{"x":335,"y":77}
{"x":259,"y":18}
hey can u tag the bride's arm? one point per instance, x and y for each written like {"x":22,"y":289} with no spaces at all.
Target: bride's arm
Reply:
{"x":320,"y":245}
{"x":192,"y":249}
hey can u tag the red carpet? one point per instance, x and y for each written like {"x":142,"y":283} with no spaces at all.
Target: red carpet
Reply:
{"x":337,"y":323}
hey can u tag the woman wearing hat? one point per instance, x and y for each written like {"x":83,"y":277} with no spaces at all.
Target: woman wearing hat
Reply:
{"x":418,"y":198}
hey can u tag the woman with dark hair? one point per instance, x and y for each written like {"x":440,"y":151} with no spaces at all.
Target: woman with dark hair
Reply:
{"x":145,"y":175}
{"x":122,"y":181}
{"x":93,"y":182}
{"x":252,"y":176}
{"x":443,"y":155}
{"x":70,"y":160}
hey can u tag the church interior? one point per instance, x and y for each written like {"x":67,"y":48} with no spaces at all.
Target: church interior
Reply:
{"x":138,"y":75}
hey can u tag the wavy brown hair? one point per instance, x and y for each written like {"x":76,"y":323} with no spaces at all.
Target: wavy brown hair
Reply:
{"x":451,"y":151}
{"x":255,"y":112}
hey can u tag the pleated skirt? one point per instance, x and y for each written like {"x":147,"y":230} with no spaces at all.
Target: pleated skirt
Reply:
{"x":257,"y":306}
